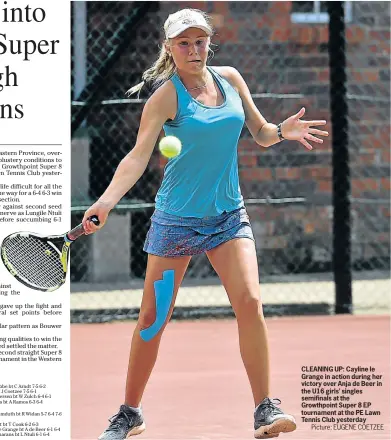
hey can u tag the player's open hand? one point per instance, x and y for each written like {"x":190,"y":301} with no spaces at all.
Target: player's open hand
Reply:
{"x":99,"y":209}
{"x":295,"y":129}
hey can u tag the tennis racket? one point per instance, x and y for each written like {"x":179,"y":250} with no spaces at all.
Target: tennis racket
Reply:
{"x":37,"y":261}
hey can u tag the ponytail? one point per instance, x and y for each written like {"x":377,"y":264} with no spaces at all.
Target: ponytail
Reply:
{"x":160,"y":71}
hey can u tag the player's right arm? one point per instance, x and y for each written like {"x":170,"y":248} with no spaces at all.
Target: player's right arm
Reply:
{"x":160,"y":107}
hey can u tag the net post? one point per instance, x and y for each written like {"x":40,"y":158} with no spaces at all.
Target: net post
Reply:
{"x":340,"y":160}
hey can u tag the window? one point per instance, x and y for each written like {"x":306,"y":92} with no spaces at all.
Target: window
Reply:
{"x":316,"y":12}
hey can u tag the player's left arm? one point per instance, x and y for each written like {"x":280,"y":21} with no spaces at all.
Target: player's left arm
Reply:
{"x":266,"y":133}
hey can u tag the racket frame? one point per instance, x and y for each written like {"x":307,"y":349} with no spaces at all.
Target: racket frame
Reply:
{"x":47,"y":240}
{"x":60,"y":244}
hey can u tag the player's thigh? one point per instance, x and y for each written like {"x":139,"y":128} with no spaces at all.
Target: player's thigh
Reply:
{"x":235,"y":262}
{"x":169,"y":270}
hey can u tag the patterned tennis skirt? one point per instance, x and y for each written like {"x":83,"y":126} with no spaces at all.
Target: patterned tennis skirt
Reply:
{"x":175,"y":236}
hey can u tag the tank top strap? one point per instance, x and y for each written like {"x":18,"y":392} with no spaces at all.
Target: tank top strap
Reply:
{"x":215,"y":75}
{"x":184,"y":99}
{"x":180,"y":88}
{"x":222,"y":82}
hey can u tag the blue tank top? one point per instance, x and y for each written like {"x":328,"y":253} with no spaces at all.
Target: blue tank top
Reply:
{"x":203,"y":179}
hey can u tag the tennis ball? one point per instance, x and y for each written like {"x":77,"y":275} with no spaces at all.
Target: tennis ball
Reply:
{"x":170,"y":146}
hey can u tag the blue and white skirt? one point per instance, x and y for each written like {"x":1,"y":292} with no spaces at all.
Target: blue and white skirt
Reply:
{"x":174,"y":236}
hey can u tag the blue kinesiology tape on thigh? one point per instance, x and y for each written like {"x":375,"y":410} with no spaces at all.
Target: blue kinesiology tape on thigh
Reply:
{"x":164,"y":292}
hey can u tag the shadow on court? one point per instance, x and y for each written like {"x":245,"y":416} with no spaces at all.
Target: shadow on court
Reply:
{"x":199,"y":389}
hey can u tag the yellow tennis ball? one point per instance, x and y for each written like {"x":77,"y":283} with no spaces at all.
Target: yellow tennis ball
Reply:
{"x":170,"y":146}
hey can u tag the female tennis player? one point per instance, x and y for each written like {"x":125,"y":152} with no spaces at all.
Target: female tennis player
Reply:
{"x":199,"y":208}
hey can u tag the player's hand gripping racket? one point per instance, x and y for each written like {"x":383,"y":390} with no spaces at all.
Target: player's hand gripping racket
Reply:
{"x":40,"y":262}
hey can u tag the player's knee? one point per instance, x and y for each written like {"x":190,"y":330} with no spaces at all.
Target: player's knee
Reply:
{"x":147,"y":317}
{"x":153,"y":324}
{"x":248,"y":305}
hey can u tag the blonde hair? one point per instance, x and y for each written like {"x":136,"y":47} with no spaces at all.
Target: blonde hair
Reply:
{"x":164,"y":67}
{"x":160,"y":71}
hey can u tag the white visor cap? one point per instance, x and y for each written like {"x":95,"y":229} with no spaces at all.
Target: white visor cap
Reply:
{"x":180,"y":21}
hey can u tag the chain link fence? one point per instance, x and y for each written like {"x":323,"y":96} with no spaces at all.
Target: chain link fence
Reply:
{"x":281,"y":49}
{"x":369,"y":145}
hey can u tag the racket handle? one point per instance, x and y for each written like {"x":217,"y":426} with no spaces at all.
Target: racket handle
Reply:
{"x":78,"y":231}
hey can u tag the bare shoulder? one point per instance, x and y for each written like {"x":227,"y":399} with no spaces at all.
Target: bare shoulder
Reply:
{"x":164,"y":100}
{"x":227,"y":71}
{"x":231,"y":74}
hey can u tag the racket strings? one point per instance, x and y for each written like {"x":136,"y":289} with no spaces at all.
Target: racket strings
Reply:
{"x":35,"y":261}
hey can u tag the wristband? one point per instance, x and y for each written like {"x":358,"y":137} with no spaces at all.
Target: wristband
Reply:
{"x":279,"y":133}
